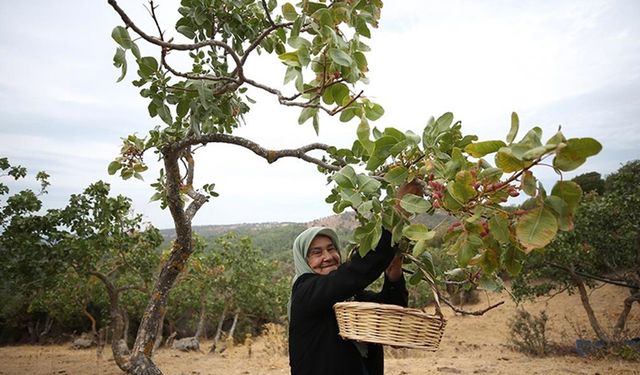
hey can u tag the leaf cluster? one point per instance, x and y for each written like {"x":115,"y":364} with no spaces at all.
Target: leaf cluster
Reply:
{"x":455,"y":177}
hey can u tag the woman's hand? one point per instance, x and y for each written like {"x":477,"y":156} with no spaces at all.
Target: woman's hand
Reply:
{"x":394,"y":271}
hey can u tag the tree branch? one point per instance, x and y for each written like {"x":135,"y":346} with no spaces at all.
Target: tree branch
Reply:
{"x":594,"y":277}
{"x":175,"y":46}
{"x":267,"y":14}
{"x":270,"y":155}
{"x":475,"y":313}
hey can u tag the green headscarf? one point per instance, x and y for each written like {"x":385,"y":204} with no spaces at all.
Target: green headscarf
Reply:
{"x":301,"y":247}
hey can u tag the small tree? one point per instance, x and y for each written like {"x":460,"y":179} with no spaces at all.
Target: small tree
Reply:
{"x":26,"y":241}
{"x":604,"y":247}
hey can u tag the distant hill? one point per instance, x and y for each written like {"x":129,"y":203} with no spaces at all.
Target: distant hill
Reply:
{"x":275,"y":239}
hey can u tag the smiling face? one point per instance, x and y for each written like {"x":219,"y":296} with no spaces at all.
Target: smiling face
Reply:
{"x":323,"y":257}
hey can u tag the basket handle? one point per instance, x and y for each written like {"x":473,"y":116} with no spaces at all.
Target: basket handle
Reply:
{"x":432,"y":284}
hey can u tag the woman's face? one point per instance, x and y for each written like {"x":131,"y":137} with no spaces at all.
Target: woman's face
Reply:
{"x":322,"y":256}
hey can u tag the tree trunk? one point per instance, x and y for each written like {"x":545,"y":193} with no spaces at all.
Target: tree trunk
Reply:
{"x":118,"y":343}
{"x":141,"y":363}
{"x":203,"y":313}
{"x":94,"y":329}
{"x":216,"y":338}
{"x":125,"y":317}
{"x":235,"y":322}
{"x":48,"y":323}
{"x":584,"y":298}
{"x":622,"y":319}
{"x":158,"y":342}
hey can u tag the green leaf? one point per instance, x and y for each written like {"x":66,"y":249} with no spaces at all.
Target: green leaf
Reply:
{"x":340,"y":57}
{"x":561,"y":210}
{"x":290,"y":59}
{"x":536,"y":228}
{"x":535,"y":153}
{"x":414,"y":204}
{"x":490,"y":174}
{"x":418,"y":232}
{"x":374,"y":112}
{"x":383,"y":145}
{"x":346,"y":177}
{"x":120,"y":61}
{"x":468,"y":249}
{"x":182,"y":109}
{"x":148,"y":66}
{"x":368,"y":184}
{"x":506,"y":161}
{"x":368,"y":236}
{"x":121,"y":36}
{"x":113,"y":167}
{"x":513,"y":131}
{"x":289,"y":12}
{"x":340,"y":93}
{"x":293,"y":72}
{"x":396,"y":175}
{"x":165,"y":114}
{"x":575,"y":153}
{"x":570,"y":192}
{"x":499,"y":228}
{"x":529,"y":183}
{"x":481,"y":149}
{"x":306,"y":114}
{"x":419,"y":248}
{"x":513,"y":260}
{"x":444,"y":122}
{"x":299,"y":42}
{"x":361,"y":27}
{"x":363,"y":136}
{"x":186,"y":31}
{"x":347,"y":114}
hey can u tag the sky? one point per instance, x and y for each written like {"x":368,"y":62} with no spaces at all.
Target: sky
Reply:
{"x":574,"y":64}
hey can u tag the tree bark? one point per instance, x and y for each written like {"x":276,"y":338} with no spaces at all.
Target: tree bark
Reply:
{"x":216,"y":338}
{"x":203,"y":313}
{"x":235,"y":322}
{"x":622,"y":319}
{"x":158,"y":341}
{"x":94,"y":330}
{"x":141,"y":363}
{"x":118,"y":343}
{"x":584,"y":298}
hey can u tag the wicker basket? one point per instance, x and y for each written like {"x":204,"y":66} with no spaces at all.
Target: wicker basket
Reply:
{"x":392,"y":324}
{"x":389,"y":325}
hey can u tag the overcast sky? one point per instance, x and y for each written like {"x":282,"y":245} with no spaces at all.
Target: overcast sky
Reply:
{"x":569,"y":63}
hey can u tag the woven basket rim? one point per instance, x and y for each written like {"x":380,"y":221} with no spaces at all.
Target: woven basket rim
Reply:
{"x":387,"y":307}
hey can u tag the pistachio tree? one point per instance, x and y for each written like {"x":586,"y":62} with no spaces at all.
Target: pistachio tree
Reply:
{"x":320,"y":45}
{"x":468,"y":179}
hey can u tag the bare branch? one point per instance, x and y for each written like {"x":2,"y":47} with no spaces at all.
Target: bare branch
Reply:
{"x":475,"y":313}
{"x":270,"y":155}
{"x":595,"y":277}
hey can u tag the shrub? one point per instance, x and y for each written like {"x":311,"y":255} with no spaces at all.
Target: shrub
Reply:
{"x":527,"y":333}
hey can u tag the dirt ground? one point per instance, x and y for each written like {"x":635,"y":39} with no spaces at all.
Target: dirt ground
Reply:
{"x":471,"y":345}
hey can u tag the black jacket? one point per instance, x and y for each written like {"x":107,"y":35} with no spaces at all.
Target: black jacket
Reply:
{"x":314,"y":344}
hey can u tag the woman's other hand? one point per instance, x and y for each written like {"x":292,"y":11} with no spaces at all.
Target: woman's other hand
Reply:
{"x":394,"y":271}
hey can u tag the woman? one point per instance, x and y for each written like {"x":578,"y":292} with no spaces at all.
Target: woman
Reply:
{"x":320,"y":281}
